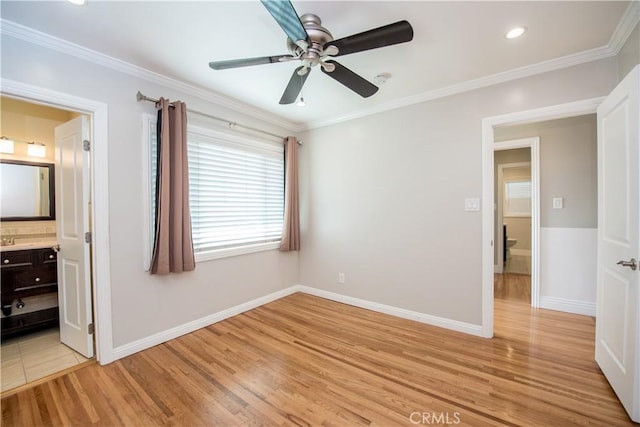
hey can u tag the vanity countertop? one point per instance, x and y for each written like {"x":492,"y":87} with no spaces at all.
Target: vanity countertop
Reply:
{"x":18,"y":246}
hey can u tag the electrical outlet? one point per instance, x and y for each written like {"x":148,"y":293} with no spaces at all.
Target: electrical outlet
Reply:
{"x":340,"y":277}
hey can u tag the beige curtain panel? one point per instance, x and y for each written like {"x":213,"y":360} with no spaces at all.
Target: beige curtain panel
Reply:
{"x":291,"y":228}
{"x":173,"y":248}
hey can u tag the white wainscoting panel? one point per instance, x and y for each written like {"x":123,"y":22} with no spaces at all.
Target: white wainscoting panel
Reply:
{"x":568,"y":269}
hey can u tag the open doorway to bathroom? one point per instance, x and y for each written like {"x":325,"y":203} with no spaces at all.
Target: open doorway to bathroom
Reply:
{"x":514,"y":211}
{"x":31,"y":347}
{"x":515,"y":193}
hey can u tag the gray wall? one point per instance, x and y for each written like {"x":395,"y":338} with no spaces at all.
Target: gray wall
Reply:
{"x":143,"y":305}
{"x":383,"y":196}
{"x":629,"y":55}
{"x":568,"y":168}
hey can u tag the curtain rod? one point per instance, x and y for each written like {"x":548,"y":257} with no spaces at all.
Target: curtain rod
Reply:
{"x":231,"y":125}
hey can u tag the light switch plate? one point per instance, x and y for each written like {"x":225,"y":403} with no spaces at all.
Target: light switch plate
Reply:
{"x":472,"y":205}
{"x":558,"y":203}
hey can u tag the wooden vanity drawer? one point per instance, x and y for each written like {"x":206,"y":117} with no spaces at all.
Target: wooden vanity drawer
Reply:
{"x":31,"y":280}
{"x":17,"y":259}
{"x":49,"y":256}
{"x":26,"y":273}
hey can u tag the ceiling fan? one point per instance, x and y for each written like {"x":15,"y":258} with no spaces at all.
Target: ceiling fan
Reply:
{"x":309,"y":42}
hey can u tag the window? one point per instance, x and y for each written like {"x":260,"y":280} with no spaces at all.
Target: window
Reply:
{"x":517,"y":198}
{"x":236,"y":191}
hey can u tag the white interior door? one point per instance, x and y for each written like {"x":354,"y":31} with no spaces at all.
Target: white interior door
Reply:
{"x":618,"y":302}
{"x":72,"y":222}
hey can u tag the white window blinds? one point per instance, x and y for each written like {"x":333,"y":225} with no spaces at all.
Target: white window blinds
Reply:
{"x":236,"y":192}
{"x":517,"y":198}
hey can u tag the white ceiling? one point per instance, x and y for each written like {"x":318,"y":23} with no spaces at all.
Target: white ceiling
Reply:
{"x":454,"y":43}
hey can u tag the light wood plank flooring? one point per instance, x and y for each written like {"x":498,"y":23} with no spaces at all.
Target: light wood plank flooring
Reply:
{"x":303,"y":360}
{"x":512,"y":287}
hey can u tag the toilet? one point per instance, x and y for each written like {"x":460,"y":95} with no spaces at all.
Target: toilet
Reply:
{"x":511,"y":242}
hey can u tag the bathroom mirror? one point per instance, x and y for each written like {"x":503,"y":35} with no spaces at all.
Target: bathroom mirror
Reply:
{"x":27,"y":191}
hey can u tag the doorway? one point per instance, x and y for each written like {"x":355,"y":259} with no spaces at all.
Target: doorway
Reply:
{"x":516,"y":165}
{"x":490,"y":128}
{"x":515,"y":199}
{"x":99,"y":182}
{"x":32,"y":347}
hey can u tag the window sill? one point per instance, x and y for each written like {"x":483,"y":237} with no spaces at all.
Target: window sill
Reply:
{"x":241,"y":250}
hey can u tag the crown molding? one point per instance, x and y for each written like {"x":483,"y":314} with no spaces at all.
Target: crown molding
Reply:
{"x":494,"y":79}
{"x":626,"y":25}
{"x":12,"y":29}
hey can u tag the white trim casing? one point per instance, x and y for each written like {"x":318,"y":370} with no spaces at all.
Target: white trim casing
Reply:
{"x":101,"y":273}
{"x":39,"y":38}
{"x":618,"y":38}
{"x":570,"y":109}
{"x":585,"y":308}
{"x":441,"y":322}
{"x":169,"y":334}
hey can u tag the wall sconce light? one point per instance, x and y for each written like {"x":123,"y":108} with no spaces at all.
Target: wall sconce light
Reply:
{"x":6,"y":145}
{"x":36,"y":149}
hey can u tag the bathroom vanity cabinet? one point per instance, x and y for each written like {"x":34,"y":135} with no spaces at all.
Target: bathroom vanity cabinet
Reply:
{"x":27,"y":273}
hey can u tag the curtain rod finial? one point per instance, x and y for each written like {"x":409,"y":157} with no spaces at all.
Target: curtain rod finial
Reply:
{"x":139,"y":96}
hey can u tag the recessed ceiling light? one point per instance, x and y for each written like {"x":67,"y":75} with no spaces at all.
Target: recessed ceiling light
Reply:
{"x":515,"y":32}
{"x":78,"y":2}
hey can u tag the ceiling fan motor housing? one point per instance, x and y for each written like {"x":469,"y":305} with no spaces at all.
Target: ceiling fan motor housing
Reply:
{"x":318,"y":35}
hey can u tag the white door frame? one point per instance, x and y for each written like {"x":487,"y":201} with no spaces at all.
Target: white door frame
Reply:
{"x":534,"y":145}
{"x":100,"y":199}
{"x":560,"y":111}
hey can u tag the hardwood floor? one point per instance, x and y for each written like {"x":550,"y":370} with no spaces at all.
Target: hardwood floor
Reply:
{"x":303,"y":360}
{"x":514,"y":287}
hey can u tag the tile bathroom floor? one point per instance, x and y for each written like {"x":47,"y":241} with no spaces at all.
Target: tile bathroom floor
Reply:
{"x":518,"y":264}
{"x":34,"y":356}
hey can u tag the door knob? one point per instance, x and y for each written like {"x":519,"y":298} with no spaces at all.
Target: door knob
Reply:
{"x":631,"y":263}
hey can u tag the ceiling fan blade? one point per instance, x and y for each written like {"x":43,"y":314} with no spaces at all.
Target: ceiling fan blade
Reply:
{"x":246,"y":62}
{"x":294,"y":87}
{"x":287,"y":17}
{"x":398,"y":32}
{"x":351,"y":80}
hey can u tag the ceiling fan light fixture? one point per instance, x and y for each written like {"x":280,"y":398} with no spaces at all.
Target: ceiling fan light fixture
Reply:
{"x":381,"y":78}
{"x":301,"y":102}
{"x":515,"y":32}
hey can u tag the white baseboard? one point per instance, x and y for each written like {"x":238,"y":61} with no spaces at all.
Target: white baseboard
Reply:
{"x":497,"y":269}
{"x":454,"y":325}
{"x":569,"y":306}
{"x":169,"y":334}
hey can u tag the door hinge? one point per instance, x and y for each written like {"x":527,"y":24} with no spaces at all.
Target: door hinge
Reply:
{"x":86,"y":145}
{"x":91,"y":329}
{"x":87,"y":237}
